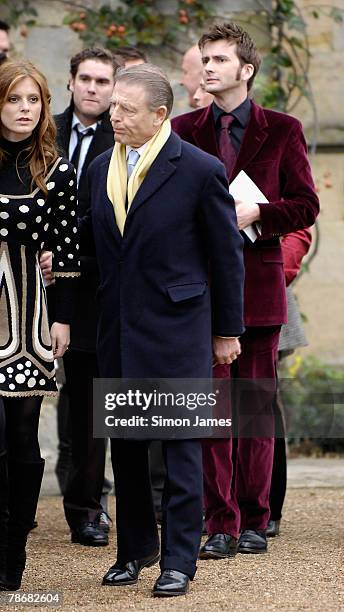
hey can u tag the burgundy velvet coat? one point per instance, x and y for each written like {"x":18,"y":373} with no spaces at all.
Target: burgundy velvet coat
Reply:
{"x":274,"y":154}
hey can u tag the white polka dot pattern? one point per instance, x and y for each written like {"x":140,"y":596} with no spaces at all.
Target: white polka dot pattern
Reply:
{"x":30,"y":222}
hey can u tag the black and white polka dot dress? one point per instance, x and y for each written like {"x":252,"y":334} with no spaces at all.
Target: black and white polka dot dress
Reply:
{"x":28,"y":223}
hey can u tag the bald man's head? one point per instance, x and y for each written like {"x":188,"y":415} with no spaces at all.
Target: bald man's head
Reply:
{"x":192,"y":72}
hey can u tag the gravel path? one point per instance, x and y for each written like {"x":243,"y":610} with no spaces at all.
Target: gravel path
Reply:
{"x":304,"y":569}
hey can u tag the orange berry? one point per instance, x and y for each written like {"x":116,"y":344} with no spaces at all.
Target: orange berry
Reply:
{"x":24,"y":31}
{"x":82,"y":15}
{"x":121,"y":29}
{"x":78,"y":26}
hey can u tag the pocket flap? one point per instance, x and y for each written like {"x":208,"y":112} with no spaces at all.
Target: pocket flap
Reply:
{"x":272,"y":255}
{"x":178,"y":293}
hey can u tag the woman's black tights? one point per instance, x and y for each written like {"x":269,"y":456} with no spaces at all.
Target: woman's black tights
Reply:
{"x":19,"y":418}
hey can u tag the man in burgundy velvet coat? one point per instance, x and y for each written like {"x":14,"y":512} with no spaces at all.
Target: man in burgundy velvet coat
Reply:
{"x":270,"y":147}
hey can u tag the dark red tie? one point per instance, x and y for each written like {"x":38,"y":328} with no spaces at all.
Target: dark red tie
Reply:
{"x":227,"y":152}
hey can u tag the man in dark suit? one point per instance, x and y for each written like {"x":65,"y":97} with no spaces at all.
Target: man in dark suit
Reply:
{"x":84,"y":131}
{"x":162,"y":219}
{"x":270,"y":147}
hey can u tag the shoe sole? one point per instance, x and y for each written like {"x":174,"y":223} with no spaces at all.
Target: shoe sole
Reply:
{"x":119,"y":584}
{"x":153,"y":561}
{"x":75,"y":540}
{"x":272,"y":534}
{"x":169,"y":593}
{"x":215,"y":555}
{"x":253,"y":551}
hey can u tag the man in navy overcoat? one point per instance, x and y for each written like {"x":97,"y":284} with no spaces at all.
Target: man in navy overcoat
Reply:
{"x":170,"y":299}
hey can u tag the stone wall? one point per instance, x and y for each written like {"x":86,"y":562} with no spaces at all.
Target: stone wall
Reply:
{"x":321,"y":290}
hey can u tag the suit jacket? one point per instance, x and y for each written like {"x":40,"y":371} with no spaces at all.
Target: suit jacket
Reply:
{"x":84,"y":324}
{"x":274,"y":154}
{"x":157,"y":313}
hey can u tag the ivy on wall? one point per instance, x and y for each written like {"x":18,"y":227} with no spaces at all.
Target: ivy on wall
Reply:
{"x":137,"y":22}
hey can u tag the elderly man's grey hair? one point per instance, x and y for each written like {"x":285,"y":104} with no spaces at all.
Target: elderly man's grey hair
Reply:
{"x":153,"y":80}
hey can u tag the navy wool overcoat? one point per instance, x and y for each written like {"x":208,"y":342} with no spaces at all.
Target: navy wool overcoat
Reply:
{"x":176,"y":276}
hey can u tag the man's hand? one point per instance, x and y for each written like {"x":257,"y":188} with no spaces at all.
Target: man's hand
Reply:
{"x":247,"y":213}
{"x":225,"y":350}
{"x":45,"y":262}
{"x":60,"y":338}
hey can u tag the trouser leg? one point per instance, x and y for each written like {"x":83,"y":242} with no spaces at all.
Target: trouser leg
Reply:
{"x":255,"y":397}
{"x":157,"y":472}
{"x":279,"y":470}
{"x":137,"y":534}
{"x":182,"y":506}
{"x":64,"y":432}
{"x":84,"y":487}
{"x":222,"y":514}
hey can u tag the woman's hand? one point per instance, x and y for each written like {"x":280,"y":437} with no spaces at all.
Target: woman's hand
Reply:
{"x":45,"y":262}
{"x":60,"y":338}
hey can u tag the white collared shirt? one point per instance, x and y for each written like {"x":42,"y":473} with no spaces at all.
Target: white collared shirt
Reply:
{"x":140,"y":150}
{"x":73,"y":141}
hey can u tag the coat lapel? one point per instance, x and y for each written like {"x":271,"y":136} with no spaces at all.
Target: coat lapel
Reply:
{"x":63,"y":123}
{"x":255,"y":135}
{"x":203,"y":132}
{"x":204,"y":136}
{"x":160,"y":171}
{"x":106,"y":204}
{"x":103,"y":139}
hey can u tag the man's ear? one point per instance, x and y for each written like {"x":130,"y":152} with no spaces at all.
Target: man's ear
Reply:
{"x":70,"y":85}
{"x":247,"y":71}
{"x":161,"y":113}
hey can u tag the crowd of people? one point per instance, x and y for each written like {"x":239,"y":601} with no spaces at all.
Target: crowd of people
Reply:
{"x":182,"y":292}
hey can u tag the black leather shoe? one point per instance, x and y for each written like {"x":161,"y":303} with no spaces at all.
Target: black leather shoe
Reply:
{"x":171,"y":583}
{"x":120,"y":575}
{"x":252,"y":541}
{"x":89,"y":534}
{"x":273,"y":528}
{"x":219,"y":546}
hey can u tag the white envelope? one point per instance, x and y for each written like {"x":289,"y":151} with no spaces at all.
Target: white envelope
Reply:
{"x":243,"y":188}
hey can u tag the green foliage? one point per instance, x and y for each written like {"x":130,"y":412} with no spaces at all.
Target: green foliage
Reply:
{"x":287,"y":64}
{"x":19,"y":11}
{"x":314,"y":402}
{"x":136,"y":23}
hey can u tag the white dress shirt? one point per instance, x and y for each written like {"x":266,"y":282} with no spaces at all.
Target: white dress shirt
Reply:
{"x":73,"y":141}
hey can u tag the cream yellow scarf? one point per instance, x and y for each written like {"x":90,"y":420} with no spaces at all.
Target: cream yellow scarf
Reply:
{"x":117,"y":177}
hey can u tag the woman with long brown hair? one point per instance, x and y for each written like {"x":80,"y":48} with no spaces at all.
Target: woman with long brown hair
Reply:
{"x":37,"y":209}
